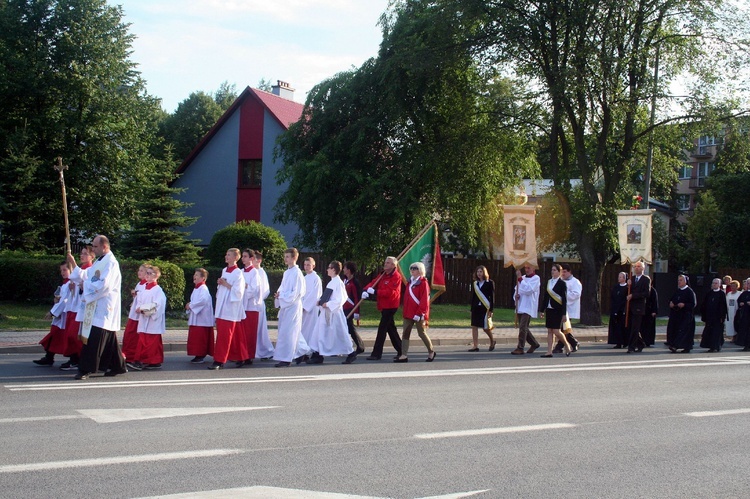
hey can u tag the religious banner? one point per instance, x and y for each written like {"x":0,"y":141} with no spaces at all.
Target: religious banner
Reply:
{"x":519,"y":243}
{"x":634,"y":235}
{"x":425,"y":249}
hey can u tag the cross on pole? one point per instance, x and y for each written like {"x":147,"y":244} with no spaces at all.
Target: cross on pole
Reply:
{"x":60,"y":167}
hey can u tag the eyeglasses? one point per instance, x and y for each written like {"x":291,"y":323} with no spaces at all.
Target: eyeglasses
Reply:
{"x":413,"y":268}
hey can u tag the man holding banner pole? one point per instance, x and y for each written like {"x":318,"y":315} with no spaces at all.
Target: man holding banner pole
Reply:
{"x":387,"y":290}
{"x":639,"y":292}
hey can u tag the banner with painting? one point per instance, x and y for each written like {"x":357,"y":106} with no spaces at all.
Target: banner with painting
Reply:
{"x":519,"y":240}
{"x":634,"y":235}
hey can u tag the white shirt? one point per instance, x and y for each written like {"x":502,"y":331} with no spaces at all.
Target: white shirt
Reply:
{"x":574,"y":297}
{"x":229,"y":306}
{"x":201,"y":308}
{"x":528,"y":291}
{"x":105,"y":291}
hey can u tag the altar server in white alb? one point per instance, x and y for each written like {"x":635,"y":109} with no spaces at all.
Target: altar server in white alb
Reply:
{"x":101,"y":321}
{"x":331,"y":334}
{"x":152,"y":308}
{"x":200,"y":341}
{"x":310,"y":308}
{"x":56,"y":341}
{"x":263,"y":347}
{"x":574,"y":307}
{"x":288,"y":299}
{"x":229,"y":311}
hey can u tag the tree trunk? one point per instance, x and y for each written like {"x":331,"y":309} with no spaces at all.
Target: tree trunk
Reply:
{"x":592,"y":269}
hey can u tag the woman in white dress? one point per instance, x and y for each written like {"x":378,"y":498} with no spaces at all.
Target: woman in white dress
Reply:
{"x":732,"y":294}
{"x":331,"y":334}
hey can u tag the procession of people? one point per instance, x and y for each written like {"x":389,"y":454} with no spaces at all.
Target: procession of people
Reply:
{"x":316,"y":321}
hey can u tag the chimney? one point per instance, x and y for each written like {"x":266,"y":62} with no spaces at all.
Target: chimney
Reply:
{"x":283,"y":90}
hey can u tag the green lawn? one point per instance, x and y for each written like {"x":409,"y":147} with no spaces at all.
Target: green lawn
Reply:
{"x":19,"y":316}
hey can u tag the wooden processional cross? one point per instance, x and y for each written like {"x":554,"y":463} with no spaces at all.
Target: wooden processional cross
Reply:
{"x":60,"y":167}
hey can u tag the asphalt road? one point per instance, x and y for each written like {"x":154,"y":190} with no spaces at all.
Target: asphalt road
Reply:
{"x":598,"y":424}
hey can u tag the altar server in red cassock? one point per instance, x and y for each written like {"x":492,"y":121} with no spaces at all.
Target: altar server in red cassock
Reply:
{"x":200,"y":340}
{"x":130,"y":335}
{"x":152,"y":305}
{"x":55,"y":342}
{"x":229,"y":310}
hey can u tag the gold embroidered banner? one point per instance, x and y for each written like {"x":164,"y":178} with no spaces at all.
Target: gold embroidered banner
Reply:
{"x":519,"y":243}
{"x":634,"y":235}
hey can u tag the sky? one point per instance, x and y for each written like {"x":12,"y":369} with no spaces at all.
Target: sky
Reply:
{"x":184,"y":46}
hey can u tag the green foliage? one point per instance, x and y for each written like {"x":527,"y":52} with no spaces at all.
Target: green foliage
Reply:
{"x":416,"y":133}
{"x":30,"y":280}
{"x":194,"y":117}
{"x":733,"y":243}
{"x":154,"y":231}
{"x":172,"y":281}
{"x":247,"y":234}
{"x":69,"y":90}
{"x":703,"y":233}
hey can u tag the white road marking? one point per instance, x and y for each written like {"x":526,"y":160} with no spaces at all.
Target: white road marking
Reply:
{"x":258,"y":492}
{"x":39,"y":418}
{"x":493,"y":431}
{"x":728,"y":412}
{"x":120,"y":415}
{"x":106,"y":461}
{"x":427,"y":373}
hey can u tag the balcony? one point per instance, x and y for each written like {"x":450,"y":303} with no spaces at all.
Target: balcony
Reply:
{"x":703,"y":152}
{"x":698,"y":183}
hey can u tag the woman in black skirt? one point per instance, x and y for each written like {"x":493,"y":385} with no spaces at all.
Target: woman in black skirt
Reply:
{"x":554,"y":310}
{"x":482,"y":302}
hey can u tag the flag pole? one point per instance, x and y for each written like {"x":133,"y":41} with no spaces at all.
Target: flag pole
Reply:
{"x":400,"y":255}
{"x":60,"y":167}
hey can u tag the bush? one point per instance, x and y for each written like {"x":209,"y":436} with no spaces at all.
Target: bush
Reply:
{"x":29,"y":279}
{"x":247,"y":234}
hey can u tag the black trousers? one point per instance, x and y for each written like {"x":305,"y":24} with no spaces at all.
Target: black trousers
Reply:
{"x":356,"y":338}
{"x":387,"y":325}
{"x":101,"y":352}
{"x":636,"y":340}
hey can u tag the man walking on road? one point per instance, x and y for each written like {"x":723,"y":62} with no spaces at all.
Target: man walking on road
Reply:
{"x":527,"y":303}
{"x":574,"y":307}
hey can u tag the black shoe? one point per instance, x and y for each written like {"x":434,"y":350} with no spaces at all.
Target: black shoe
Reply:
{"x":69,"y":366}
{"x":492,"y":345}
{"x":113,"y":372}
{"x":216,"y":366}
{"x":557,"y":350}
{"x":248,"y":362}
{"x":283,"y":364}
{"x":373,"y":357}
{"x":300,"y":360}
{"x":135,"y":366}
{"x":197,"y":360}
{"x":82,"y":376}
{"x":350,"y":358}
{"x":617,"y":346}
{"x":399,"y":359}
{"x":151,"y":366}
{"x":473,"y":349}
{"x":44,"y":361}
{"x":315,"y":359}
{"x":239,"y":363}
{"x":431,"y":357}
{"x":684,"y":350}
{"x":673,"y":349}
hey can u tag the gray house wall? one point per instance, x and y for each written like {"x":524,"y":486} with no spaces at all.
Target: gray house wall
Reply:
{"x":271,"y":192}
{"x":211,"y":183}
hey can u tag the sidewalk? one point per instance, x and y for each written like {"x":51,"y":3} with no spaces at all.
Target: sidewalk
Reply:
{"x":175,"y":339}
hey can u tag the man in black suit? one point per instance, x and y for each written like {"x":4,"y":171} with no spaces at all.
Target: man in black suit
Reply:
{"x":639,"y":292}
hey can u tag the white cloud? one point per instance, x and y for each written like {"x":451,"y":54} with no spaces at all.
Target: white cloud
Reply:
{"x":185,"y":46}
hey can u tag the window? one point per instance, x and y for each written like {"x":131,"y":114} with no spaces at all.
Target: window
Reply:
{"x":686,"y":171}
{"x":706,"y":140}
{"x":683,"y":202}
{"x":704,"y":170}
{"x":251,"y":173}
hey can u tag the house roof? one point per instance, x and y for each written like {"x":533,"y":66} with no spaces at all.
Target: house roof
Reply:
{"x":285,"y":111}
